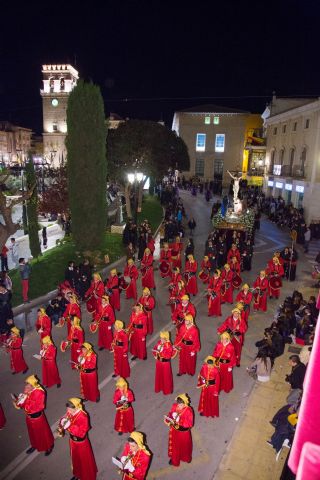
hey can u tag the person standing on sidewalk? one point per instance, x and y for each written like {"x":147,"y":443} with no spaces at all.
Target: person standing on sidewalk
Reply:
{"x":25,"y":271}
{"x":14,"y":252}
{"x":307,"y":238}
{"x":44,"y":237}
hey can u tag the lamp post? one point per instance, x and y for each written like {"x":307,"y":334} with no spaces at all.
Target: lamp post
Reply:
{"x":135,"y":179}
{"x":24,"y":207}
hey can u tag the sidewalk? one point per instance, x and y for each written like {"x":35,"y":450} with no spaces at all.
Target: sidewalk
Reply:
{"x":248,"y":456}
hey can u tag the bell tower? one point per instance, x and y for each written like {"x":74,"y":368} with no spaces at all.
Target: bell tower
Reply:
{"x":58,"y":82}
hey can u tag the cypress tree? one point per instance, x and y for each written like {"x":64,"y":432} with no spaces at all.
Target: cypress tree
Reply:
{"x":87,"y":165}
{"x":32,"y":209}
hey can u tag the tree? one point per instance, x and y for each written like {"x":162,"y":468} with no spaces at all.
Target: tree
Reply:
{"x":87,"y":165}
{"x":148,"y":146}
{"x":55,"y":198}
{"x":32,"y":209}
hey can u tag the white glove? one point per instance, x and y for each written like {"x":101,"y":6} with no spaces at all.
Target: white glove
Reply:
{"x":143,"y":339}
{"x":192,"y":354}
{"x":229,"y":369}
{"x":129,"y":466}
{"x":123,"y":459}
{"x":174,"y":415}
{"x":125,"y":355}
{"x":109,"y":328}
{"x":123,"y":397}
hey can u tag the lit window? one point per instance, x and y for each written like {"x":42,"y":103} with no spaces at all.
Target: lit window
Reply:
{"x":295,"y":126}
{"x":307,"y":124}
{"x":207,"y":120}
{"x":284,"y":128}
{"x":216,"y":120}
{"x":275,"y":131}
{"x":277,"y":169}
{"x":199,"y":167}
{"x":201,"y":142}
{"x":220,"y":140}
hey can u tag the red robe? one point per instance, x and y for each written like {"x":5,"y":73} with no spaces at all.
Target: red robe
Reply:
{"x":260,"y":299}
{"x":233,"y":253}
{"x":188,"y":341}
{"x":176,"y":259}
{"x":277,"y":271}
{"x":237,"y":329}
{"x":71,"y":310}
{"x":76,"y":337}
{"x":43,"y":323}
{"x":227,"y":360}
{"x":132,"y":272}
{"x":163,"y":352}
{"x":175,"y":278}
{"x":177,"y":316}
{"x":40,"y":433}
{"x":165,"y":255}
{"x":3,"y":420}
{"x":95,"y":291}
{"x":206,"y":267}
{"x":112,"y":284}
{"x":124,"y":420}
{"x":226,"y":287}
{"x":140,"y":461}
{"x":147,"y":279}
{"x":83,"y":463}
{"x":149,"y":304}
{"x":209,"y":383}
{"x":151,"y":244}
{"x":120,"y":354}
{"x":191,"y":277}
{"x":89,"y":377}
{"x":138,"y":329}
{"x":246,"y":299}
{"x":50,"y":373}
{"x":180,"y":440}
{"x":17,"y":361}
{"x":106,"y":318}
{"x":175,"y":296}
{"x":214,"y":304}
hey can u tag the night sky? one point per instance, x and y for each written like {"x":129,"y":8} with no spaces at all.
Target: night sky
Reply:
{"x":161,"y":56}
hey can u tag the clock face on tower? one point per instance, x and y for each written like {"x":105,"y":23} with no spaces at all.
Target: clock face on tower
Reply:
{"x":54,"y":102}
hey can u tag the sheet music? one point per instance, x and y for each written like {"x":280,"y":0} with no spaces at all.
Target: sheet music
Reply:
{"x":38,"y":357}
{"x":117,"y":462}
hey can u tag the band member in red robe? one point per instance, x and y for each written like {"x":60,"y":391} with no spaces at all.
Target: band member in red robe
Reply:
{"x":33,"y":402}
{"x":176,"y":293}
{"x":74,"y":340}
{"x":72,"y":310}
{"x":132,"y":272}
{"x":260,"y":296}
{"x":87,"y":364}
{"x":148,"y":302}
{"x":175,"y":276}
{"x":43,"y":324}
{"x":176,"y":250}
{"x":112,"y":289}
{"x":165,"y":261}
{"x":147,"y":277}
{"x":226,"y":292}
{"x":137,"y":333}
{"x":209,"y":383}
{"x":205,"y":271}
{"x":235,"y":268}
{"x":76,"y":422}
{"x":226,"y":359}
{"x":50,"y":373}
{"x":104,"y":318}
{"x":14,"y":347}
{"x":245,"y":297}
{"x":236,"y":327}
{"x":163,"y":352}
{"x":214,"y":300}
{"x":180,"y":420}
{"x":151,"y":244}
{"x":95,"y":291}
{"x":233,"y":252}
{"x":185,"y":307}
{"x":122,"y":399}
{"x":275,"y":271}
{"x":135,"y":458}
{"x":188,"y":343}
{"x":120,"y":346}
{"x":190,"y":273}
{"x":3,"y":419}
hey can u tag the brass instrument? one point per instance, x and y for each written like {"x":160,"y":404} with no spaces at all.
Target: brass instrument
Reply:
{"x":64,"y":424}
{"x":64,"y":345}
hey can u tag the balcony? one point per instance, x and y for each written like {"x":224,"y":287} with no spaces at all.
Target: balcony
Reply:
{"x":295,"y":171}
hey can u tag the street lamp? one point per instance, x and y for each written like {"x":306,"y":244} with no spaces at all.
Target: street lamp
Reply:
{"x":135,"y":179}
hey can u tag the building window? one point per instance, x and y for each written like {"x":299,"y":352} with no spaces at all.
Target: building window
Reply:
{"x":276,"y":170}
{"x":281,"y":156}
{"x":207,"y":120}
{"x":201,"y":142}
{"x":275,"y":131}
{"x":284,"y":128}
{"x":295,"y":127}
{"x":54,"y":127}
{"x":199,"y":167}
{"x":220,"y":141}
{"x":307,"y":124}
{"x":216,"y":120}
{"x":291,"y":162}
{"x":218,"y":168}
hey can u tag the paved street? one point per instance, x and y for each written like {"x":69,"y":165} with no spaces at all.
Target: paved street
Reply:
{"x":210,"y":436}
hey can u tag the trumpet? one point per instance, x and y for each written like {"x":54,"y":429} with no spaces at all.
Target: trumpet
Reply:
{"x":64,"y":424}
{"x":18,"y":400}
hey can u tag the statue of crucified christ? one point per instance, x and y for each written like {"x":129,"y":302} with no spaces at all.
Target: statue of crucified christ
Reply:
{"x":235,"y":186}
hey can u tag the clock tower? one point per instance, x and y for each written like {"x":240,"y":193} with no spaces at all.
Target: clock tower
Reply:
{"x":58,"y":82}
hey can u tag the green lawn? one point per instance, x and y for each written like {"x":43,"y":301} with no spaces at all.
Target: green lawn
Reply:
{"x":48,"y":270}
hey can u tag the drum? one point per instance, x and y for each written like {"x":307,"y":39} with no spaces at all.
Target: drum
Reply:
{"x":204,"y":275}
{"x":91,"y":304}
{"x":174,"y":253}
{"x":64,"y":345}
{"x":124,"y":283}
{"x":164,"y":267}
{"x":275,"y":282}
{"x":93,"y":327}
{"x":236,"y":281}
